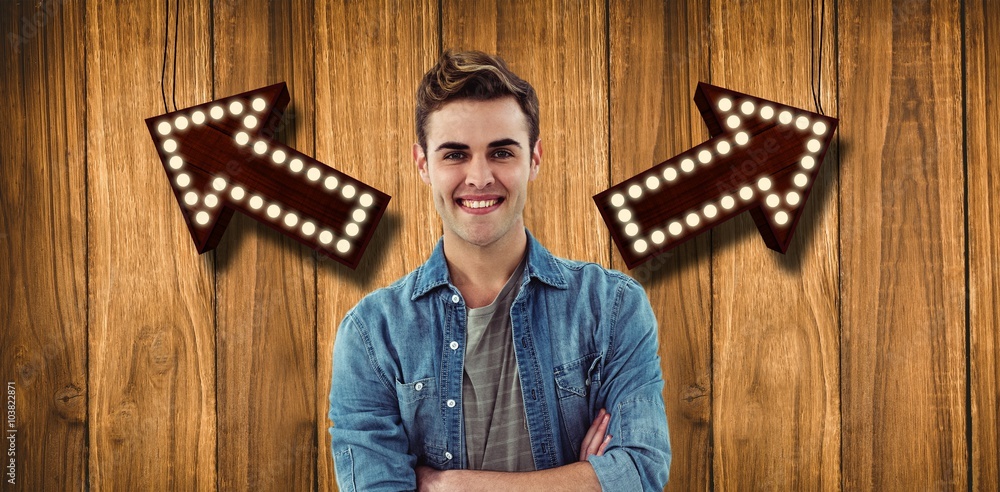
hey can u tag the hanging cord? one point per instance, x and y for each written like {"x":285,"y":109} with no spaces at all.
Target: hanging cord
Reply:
{"x":816,"y":66}
{"x":166,"y":34}
{"x":177,"y":17}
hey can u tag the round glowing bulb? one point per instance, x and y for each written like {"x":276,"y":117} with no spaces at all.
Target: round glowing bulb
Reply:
{"x":242,"y":138}
{"x":640,"y":246}
{"x":170,"y":145}
{"x":767,"y":112}
{"x":675,"y":228}
{"x":201,"y":218}
{"x":278,"y":156}
{"x":725,"y":104}
{"x":670,"y":174}
{"x":256,"y":202}
{"x":785,"y":117}
{"x":348,"y":191}
{"x":781,"y":218}
{"x":313,"y":174}
{"x":325,"y":237}
{"x":792,"y":198}
{"x":176,"y":162}
{"x":746,"y":193}
{"x":764,"y":184}
{"x":733,"y":121}
{"x":631,"y":229}
{"x":296,"y":165}
{"x":727,"y":202}
{"x":710,"y":211}
{"x":273,"y":211}
{"x":330,"y":182}
{"x":819,"y":128}
{"x":687,"y":165}
{"x":291,"y":219}
{"x":258,"y":104}
{"x":808,"y":162}
{"x":652,"y":182}
{"x":198,"y":117}
{"x":236,"y":107}
{"x":191,"y":198}
{"x":237,"y":193}
{"x":658,"y":237}
{"x":692,"y":219}
{"x":308,"y":228}
{"x":219,"y":184}
{"x":250,"y":121}
{"x":211,"y":200}
{"x":181,"y":122}
{"x":163,"y":128}
{"x":704,"y":156}
{"x":813,"y":145}
{"x":260,"y":147}
{"x":343,"y":246}
{"x":772,"y":200}
{"x":352,"y":229}
{"x":747,"y":108}
{"x":801,"y":122}
{"x":183,"y":180}
{"x":366,"y":200}
{"x":742,"y":138}
{"x":800,"y":180}
{"x":624,"y":215}
{"x":359,"y":215}
{"x":216,"y":112}
{"x":723,"y":147}
{"x":634,"y":191}
{"x":617,"y":200}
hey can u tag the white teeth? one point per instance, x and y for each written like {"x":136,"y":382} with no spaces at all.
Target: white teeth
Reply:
{"x":479,"y":203}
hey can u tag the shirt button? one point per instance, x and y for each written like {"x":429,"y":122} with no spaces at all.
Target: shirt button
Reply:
{"x":451,"y":403}
{"x":453,"y":345}
{"x":447,"y":455}
{"x":454,"y":298}
{"x":418,"y":386}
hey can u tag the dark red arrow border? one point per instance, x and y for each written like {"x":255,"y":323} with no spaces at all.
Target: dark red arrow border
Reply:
{"x":220,"y":157}
{"x":688,"y":194}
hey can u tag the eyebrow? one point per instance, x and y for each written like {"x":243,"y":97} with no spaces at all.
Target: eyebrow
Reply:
{"x":461,"y":146}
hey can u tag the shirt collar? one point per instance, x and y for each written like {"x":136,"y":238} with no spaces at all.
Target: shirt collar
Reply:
{"x":541,"y":265}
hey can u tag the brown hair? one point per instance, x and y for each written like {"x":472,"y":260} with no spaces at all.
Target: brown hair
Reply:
{"x":472,"y":75}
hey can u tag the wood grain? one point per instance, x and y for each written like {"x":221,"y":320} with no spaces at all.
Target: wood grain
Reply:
{"x":151,"y":372}
{"x":561,"y":49}
{"x":776,"y":388}
{"x":903,"y":345}
{"x":266,"y":281}
{"x":370,"y":58}
{"x":43,"y":245}
{"x":982,"y":123}
{"x":659,"y":53}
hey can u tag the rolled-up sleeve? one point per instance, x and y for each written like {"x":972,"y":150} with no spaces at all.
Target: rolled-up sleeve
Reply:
{"x":369,"y":444}
{"x":638,"y":456}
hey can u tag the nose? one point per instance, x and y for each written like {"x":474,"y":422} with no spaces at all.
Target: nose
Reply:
{"x":479,"y":173}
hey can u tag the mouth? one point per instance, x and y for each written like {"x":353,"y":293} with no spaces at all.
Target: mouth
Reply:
{"x":479,"y":206}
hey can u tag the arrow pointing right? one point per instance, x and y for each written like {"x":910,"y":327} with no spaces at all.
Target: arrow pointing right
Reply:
{"x":762,"y":157}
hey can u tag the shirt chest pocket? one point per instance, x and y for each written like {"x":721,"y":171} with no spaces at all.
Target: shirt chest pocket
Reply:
{"x":573,"y":384}
{"x":418,"y":409}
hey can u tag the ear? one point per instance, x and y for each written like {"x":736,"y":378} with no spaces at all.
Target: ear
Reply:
{"x":420,"y":159}
{"x":536,"y":160}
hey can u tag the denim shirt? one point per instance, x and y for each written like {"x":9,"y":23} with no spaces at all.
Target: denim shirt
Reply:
{"x":585,"y":338}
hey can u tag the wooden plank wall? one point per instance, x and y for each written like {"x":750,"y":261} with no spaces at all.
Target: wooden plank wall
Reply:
{"x":867,"y":358}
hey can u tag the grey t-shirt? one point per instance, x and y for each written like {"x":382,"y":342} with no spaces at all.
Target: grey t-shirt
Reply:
{"x":496,"y":431}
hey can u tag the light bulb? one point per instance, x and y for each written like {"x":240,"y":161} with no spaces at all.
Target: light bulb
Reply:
{"x":236,"y":107}
{"x":624,"y":215}
{"x":201,"y":218}
{"x":181,"y":122}
{"x":291,"y":219}
{"x":687,"y":165}
{"x":658,"y":237}
{"x":242,"y":138}
{"x":725,"y":104}
{"x":237,"y":193}
{"x":352,"y":229}
{"x":742,"y":138}
{"x":198,"y":117}
{"x":313,"y":174}
{"x":256,"y":202}
{"x":733,"y":121}
{"x":801,"y":122}
{"x":191,"y":198}
{"x":170,"y":145}
{"x":273,"y":211}
{"x":675,"y":228}
{"x":308,"y":228}
{"x":258,"y":104}
{"x":278,"y":156}
{"x":343,"y":246}
{"x":330,"y":182}
{"x":366,"y":200}
{"x":359,"y":215}
{"x":219,"y":184}
{"x":163,"y":128}
{"x":175,"y":162}
{"x":617,"y":200}
{"x":727,"y":202}
{"x":792,"y":198}
{"x":211,"y":200}
{"x":348,"y":191}
{"x":296,"y":165}
{"x":692,"y":220}
{"x":250,"y":121}
{"x":652,"y":182}
{"x":640,"y":246}
{"x":325,"y":237}
{"x":747,"y":108}
{"x":631,"y":229}
{"x":723,"y":147}
{"x":260,"y":147}
{"x":216,"y":112}
{"x":634,"y":191}
{"x":183,"y":180}
{"x":704,"y":156}
{"x":767,"y":112}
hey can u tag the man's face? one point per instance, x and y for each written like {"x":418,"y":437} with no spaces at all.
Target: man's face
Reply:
{"x":478,"y":164}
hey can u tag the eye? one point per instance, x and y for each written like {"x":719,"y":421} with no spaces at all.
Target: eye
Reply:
{"x":451,"y":156}
{"x":503,"y":154}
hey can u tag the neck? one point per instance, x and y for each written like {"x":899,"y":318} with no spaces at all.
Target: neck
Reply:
{"x":480,"y":272}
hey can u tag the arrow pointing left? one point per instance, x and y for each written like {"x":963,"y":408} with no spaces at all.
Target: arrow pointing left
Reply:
{"x":220,"y":157}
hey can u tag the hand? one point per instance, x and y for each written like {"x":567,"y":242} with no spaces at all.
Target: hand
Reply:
{"x":595,"y":442}
{"x":429,"y":479}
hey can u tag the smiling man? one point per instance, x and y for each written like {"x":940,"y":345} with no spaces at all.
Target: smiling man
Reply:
{"x":490,"y":366}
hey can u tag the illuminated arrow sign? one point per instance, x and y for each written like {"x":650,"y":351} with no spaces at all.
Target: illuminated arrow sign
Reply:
{"x":220,"y":157}
{"x":762,"y":157}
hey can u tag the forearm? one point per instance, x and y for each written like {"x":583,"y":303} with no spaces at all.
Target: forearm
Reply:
{"x":575,"y":476}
